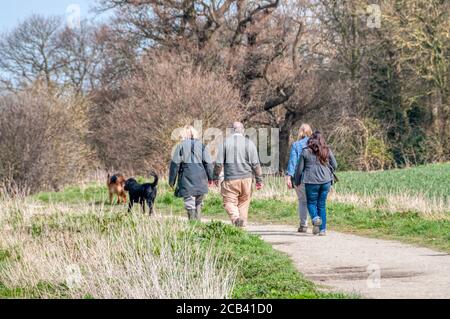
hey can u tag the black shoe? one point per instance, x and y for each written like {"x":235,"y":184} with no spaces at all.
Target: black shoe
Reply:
{"x":192,"y":214}
{"x":198,"y":212}
{"x":239,"y":223}
{"x":303,"y":229}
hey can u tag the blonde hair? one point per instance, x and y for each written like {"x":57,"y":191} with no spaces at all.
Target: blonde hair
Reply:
{"x":188,"y":132}
{"x":304,"y":131}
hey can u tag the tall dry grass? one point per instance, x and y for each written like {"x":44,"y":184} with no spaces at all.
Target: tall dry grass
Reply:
{"x":432,"y":208}
{"x":57,"y":251}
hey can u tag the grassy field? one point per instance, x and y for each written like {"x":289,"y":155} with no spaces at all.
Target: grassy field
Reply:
{"x":411,"y":205}
{"x":423,"y":189}
{"x":429,"y":181}
{"x":49,"y":229}
{"x":73,"y":245}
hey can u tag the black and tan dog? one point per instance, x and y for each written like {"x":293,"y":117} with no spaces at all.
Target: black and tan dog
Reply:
{"x":142,"y":193}
{"x":116,"y":184}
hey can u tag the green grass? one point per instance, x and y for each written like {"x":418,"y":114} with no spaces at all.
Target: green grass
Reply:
{"x":411,"y":227}
{"x":75,"y":194}
{"x":266,"y":273}
{"x":408,"y":227}
{"x":32,"y":292}
{"x":262,"y":271}
{"x":431,"y":181}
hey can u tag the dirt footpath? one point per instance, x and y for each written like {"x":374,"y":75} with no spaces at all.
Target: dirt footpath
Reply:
{"x":371,"y":268}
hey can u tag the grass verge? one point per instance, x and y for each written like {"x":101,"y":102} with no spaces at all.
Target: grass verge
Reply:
{"x":407,"y":226}
{"x":120,"y":255}
{"x":262,"y":271}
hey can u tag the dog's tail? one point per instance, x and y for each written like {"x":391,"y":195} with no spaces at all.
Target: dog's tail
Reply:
{"x":155,"y":176}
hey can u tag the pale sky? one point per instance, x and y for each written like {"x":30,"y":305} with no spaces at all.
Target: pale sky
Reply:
{"x":13,"y":11}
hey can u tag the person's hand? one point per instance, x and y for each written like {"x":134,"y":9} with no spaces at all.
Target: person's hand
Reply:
{"x":210,"y":183}
{"x":259,"y":186}
{"x":288,"y":181}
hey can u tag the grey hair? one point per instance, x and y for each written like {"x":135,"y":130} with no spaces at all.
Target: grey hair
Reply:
{"x":238,"y":127}
{"x":188,"y":132}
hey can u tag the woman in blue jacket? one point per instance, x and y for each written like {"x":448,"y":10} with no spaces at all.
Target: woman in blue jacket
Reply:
{"x":296,"y":150}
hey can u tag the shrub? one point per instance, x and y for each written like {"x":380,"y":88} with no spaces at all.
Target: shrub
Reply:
{"x":42,"y":140}
{"x":134,"y":131}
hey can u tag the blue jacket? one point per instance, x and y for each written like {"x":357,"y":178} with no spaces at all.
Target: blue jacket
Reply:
{"x":294,"y":156}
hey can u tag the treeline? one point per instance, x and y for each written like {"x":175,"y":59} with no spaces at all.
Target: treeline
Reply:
{"x":372,"y":76}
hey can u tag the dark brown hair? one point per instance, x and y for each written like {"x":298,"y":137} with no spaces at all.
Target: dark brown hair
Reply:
{"x":319,"y":147}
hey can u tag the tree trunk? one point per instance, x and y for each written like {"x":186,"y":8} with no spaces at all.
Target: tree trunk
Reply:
{"x":289,"y":121}
{"x":284,"y":147}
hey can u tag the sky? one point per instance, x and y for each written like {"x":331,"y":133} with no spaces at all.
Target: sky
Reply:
{"x":13,"y":11}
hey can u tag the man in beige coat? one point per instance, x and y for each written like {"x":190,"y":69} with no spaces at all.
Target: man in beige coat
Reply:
{"x":238,"y":158}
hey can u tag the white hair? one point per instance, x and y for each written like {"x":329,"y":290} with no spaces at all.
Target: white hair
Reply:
{"x":238,"y":127}
{"x":188,"y":132}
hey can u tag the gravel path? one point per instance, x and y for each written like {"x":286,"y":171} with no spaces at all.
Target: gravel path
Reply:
{"x":370,"y":268}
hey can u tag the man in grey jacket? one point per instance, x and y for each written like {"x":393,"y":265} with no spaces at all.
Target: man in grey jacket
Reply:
{"x":238,"y":158}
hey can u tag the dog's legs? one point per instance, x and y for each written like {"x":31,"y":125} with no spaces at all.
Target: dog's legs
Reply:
{"x":150,"y":205}
{"x":143,"y":206}
{"x":130,"y":206}
{"x":110,"y":198}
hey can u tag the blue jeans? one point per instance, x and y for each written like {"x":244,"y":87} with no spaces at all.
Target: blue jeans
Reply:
{"x":316,"y":197}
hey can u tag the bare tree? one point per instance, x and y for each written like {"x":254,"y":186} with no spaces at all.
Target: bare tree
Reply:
{"x":29,"y":52}
{"x":43,"y":49}
{"x":170,"y":23}
{"x":79,"y":56}
{"x":250,"y":39}
{"x":134,"y":132}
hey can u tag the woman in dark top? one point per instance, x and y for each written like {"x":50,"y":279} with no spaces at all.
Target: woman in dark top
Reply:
{"x":315,"y":169}
{"x":191,"y":169}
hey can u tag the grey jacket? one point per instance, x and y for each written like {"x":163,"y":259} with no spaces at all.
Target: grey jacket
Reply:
{"x":312,"y":171}
{"x":192,"y":167}
{"x":239,"y":159}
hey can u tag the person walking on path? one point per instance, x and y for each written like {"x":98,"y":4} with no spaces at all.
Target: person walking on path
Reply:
{"x":294,"y":156}
{"x":192,"y":167}
{"x":238,"y":158}
{"x":316,"y":170}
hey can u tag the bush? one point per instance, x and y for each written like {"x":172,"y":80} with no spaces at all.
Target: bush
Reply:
{"x":41,"y":140}
{"x":133,"y":132}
